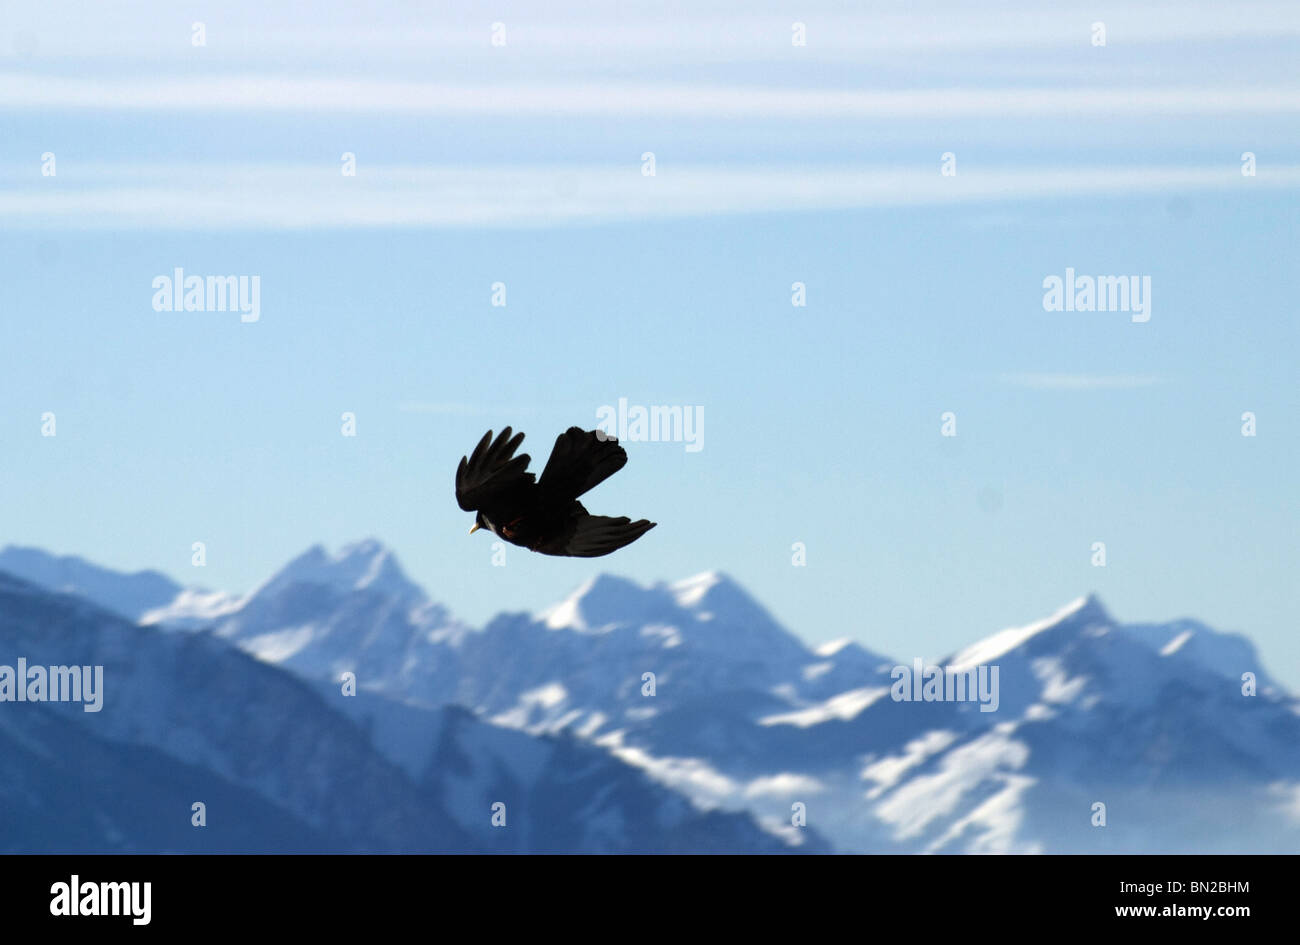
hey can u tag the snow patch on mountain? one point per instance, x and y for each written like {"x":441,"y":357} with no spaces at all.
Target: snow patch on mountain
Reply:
{"x":1174,"y":645}
{"x":692,"y":591}
{"x":933,"y":798}
{"x":846,"y":705}
{"x":990,"y":648}
{"x":786,"y":784}
{"x":694,"y":777}
{"x":193,"y":609}
{"x":279,"y":645}
{"x":833,"y":647}
{"x":887,"y":772}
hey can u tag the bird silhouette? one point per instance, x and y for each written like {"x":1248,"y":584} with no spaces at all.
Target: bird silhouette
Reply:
{"x":545,"y":515}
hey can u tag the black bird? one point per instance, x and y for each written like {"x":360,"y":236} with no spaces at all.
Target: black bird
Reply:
{"x":546,"y":515}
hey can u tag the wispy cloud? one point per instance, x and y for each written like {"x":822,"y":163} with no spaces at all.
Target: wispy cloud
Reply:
{"x":30,"y":90}
{"x":318,"y":196}
{"x":716,"y":29}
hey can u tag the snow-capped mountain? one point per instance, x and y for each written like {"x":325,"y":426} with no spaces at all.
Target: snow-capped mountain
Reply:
{"x":1152,"y":730}
{"x":283,"y":765}
{"x":356,"y":611}
{"x":1090,"y":713}
{"x":322,"y":615}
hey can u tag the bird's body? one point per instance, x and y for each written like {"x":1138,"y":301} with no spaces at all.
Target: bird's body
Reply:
{"x":545,"y":515}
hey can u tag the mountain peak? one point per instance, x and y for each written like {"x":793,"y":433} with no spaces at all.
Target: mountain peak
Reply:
{"x":710,"y":602}
{"x":718,"y":585}
{"x":1087,"y":610}
{"x":365,"y":548}
{"x":690,"y":591}
{"x":715,"y":596}
{"x":1092,"y":607}
{"x":359,"y":565}
{"x":598,"y":601}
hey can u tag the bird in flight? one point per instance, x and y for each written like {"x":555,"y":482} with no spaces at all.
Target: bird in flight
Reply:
{"x":545,"y":515}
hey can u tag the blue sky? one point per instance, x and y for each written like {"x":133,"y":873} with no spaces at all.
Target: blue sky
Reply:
{"x":774,"y":164}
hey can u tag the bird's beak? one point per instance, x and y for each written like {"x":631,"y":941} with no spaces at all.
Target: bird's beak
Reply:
{"x":475,"y":528}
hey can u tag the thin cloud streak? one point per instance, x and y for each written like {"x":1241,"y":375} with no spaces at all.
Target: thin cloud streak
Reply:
{"x":711,"y":31}
{"x":200,"y":197}
{"x":256,"y":93}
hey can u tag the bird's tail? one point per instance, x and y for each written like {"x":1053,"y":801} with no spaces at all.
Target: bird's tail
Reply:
{"x":581,"y":461}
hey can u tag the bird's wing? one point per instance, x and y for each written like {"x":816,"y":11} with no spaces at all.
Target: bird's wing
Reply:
{"x":596,"y":535}
{"x":580,"y":460}
{"x":491,"y":470}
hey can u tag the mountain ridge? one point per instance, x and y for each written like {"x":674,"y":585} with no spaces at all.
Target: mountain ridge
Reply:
{"x":283,"y":764}
{"x":693,"y":683}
